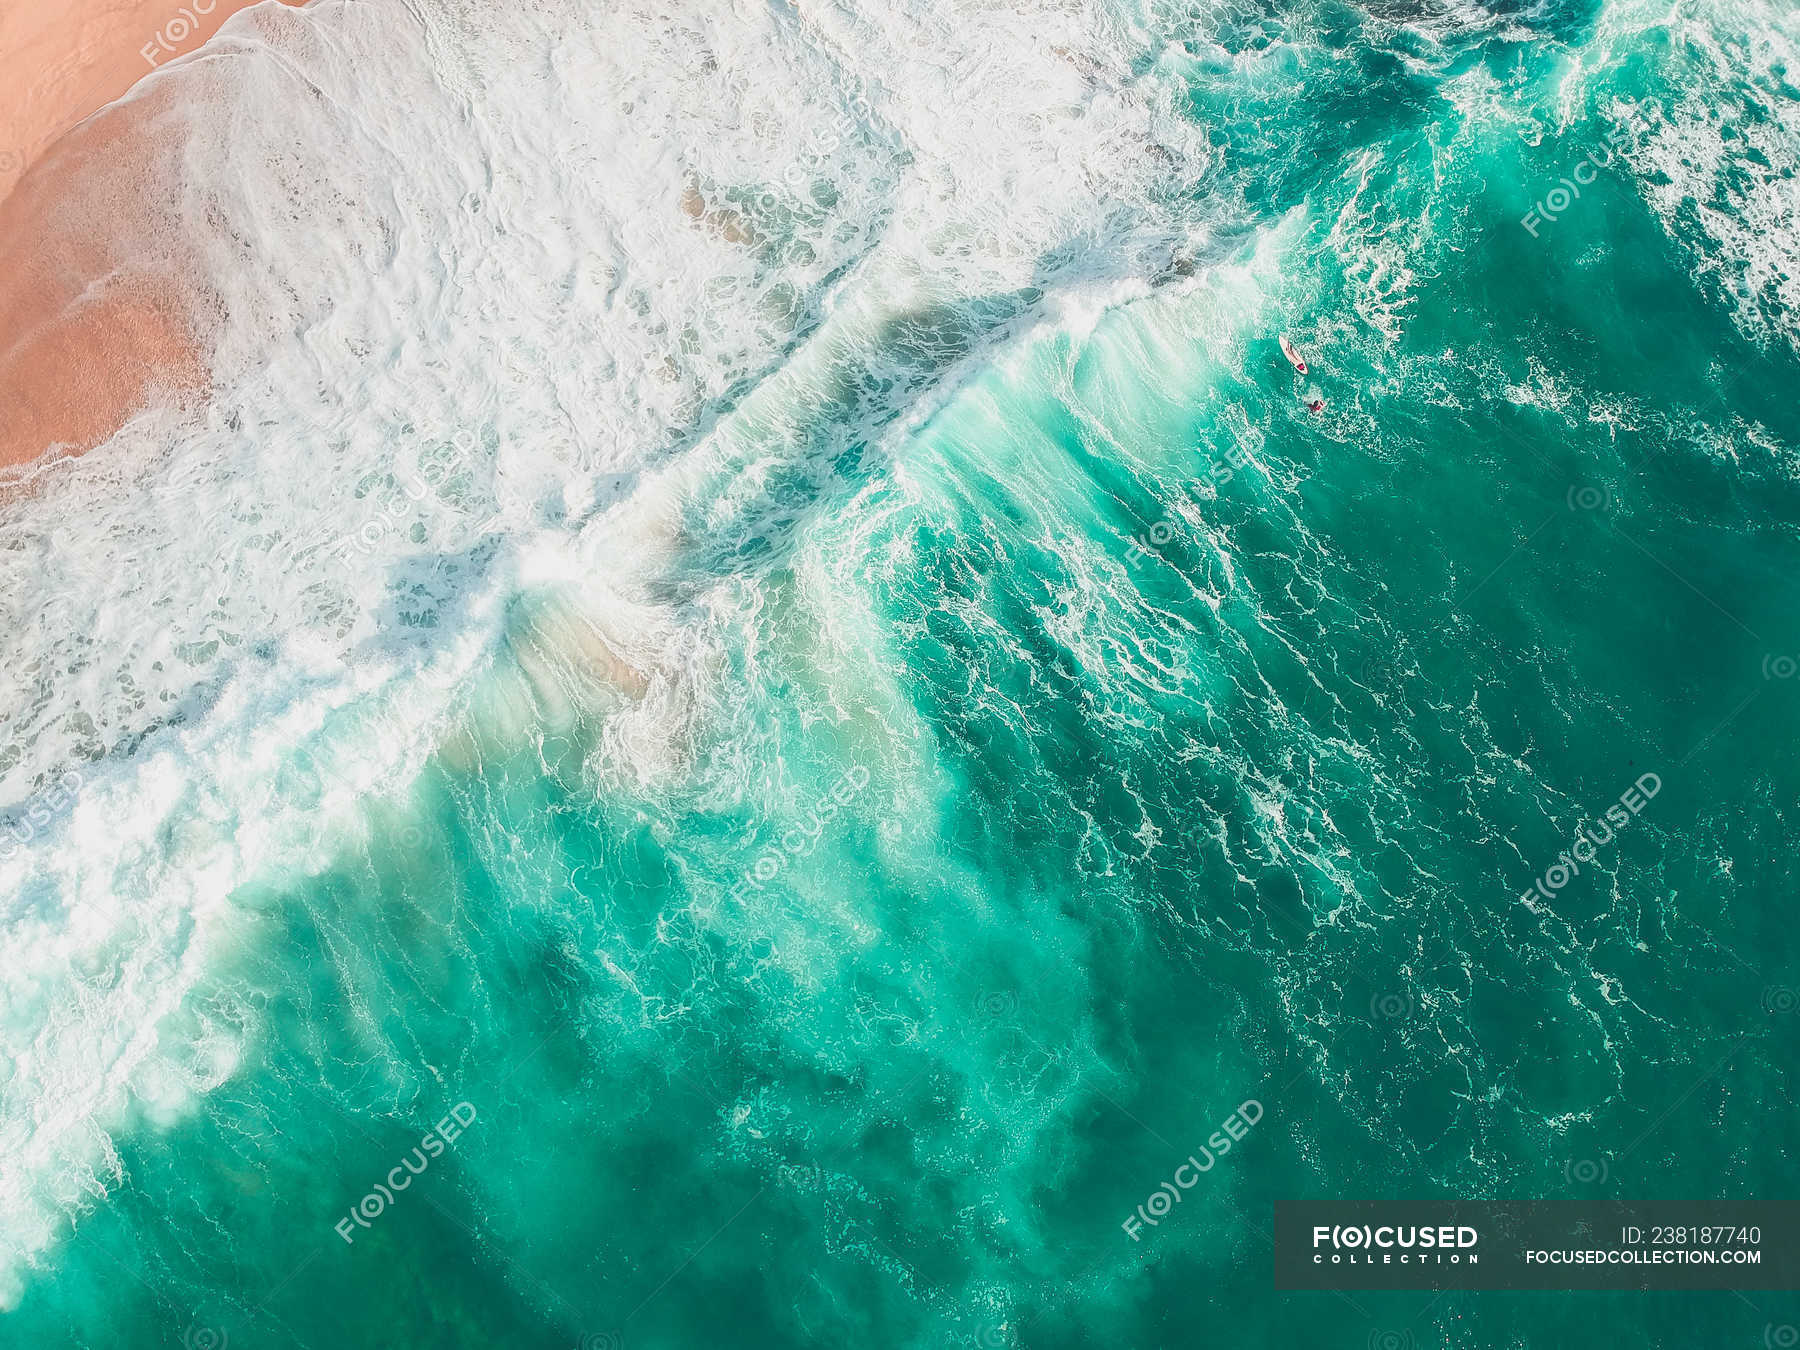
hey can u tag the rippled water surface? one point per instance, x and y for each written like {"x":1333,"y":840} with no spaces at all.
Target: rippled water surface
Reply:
{"x":756,"y":704}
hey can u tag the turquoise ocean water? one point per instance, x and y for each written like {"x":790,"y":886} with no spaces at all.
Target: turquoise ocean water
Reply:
{"x":1073,"y":738}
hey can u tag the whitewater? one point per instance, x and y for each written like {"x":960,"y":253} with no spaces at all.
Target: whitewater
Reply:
{"x":574,"y":370}
{"x":571,"y":294}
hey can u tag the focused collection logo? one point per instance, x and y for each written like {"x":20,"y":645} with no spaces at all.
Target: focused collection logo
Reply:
{"x":1599,"y":1243}
{"x":1166,"y":1196}
{"x":1389,"y":1244}
{"x":364,"y":1213}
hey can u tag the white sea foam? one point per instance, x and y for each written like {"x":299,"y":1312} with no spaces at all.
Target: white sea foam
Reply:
{"x":534,"y":299}
{"x":1718,"y":155}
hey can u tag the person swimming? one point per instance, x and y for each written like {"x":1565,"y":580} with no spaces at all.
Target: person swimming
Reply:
{"x":1310,"y":396}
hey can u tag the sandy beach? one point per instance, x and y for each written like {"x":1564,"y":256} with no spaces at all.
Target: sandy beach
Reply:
{"x":61,"y":63}
{"x":89,"y":333}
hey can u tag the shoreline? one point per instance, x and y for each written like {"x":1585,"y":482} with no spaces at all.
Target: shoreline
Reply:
{"x":60,"y":67}
{"x":95,"y":324}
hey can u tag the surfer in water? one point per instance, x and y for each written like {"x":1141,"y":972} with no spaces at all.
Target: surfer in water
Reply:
{"x":1311,"y":397}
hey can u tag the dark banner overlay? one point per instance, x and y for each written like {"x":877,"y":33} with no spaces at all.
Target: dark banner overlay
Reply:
{"x":1537,"y":1244}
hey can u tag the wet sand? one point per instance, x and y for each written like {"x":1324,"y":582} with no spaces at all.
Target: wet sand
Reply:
{"x":89,"y":331}
{"x":61,"y":62}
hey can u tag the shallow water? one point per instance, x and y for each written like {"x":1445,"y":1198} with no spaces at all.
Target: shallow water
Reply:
{"x":756,"y":612}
